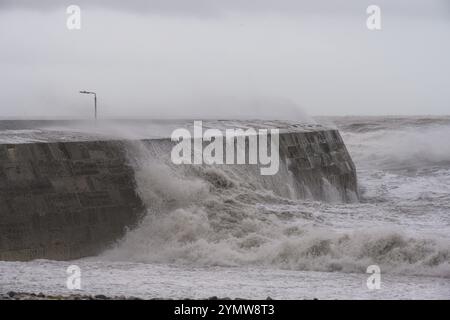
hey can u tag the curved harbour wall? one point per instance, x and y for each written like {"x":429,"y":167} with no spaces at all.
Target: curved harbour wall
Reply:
{"x":321,"y":165}
{"x":66,"y":200}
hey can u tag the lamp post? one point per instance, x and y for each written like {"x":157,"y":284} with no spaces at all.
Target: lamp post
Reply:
{"x":95,"y":101}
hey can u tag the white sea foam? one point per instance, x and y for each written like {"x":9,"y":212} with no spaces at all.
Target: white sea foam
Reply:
{"x":400,"y":148}
{"x":231,"y":216}
{"x":227,"y":231}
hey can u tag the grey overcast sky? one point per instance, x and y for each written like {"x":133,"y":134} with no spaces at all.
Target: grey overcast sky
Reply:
{"x":224,"y":58}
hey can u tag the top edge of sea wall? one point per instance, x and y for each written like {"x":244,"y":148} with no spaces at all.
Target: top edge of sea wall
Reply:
{"x":20,"y":132}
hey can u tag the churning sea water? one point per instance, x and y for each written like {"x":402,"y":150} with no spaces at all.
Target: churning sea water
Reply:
{"x":220,"y":231}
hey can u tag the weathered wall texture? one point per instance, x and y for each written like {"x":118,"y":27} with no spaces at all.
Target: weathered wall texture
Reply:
{"x":321,"y":164}
{"x":66,"y":200}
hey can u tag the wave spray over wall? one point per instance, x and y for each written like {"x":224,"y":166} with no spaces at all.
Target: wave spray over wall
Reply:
{"x":232,"y":216}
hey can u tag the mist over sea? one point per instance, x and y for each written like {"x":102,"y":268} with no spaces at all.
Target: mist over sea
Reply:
{"x":222,"y":232}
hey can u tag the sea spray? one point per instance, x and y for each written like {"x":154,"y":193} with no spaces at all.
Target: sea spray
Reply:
{"x":232,"y":216}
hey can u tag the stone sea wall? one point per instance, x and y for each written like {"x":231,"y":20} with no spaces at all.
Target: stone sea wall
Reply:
{"x":321,"y":164}
{"x":66,"y":200}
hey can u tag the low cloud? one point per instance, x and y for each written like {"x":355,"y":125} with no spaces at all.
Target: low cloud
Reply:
{"x":266,"y":58}
{"x":207,"y":8}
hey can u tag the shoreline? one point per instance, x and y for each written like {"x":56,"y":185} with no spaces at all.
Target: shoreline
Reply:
{"x":12,"y":295}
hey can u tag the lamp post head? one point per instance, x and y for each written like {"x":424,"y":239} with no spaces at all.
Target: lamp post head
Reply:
{"x":87,"y":92}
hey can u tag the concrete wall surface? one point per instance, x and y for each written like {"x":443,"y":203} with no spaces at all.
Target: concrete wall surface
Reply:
{"x":66,"y":200}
